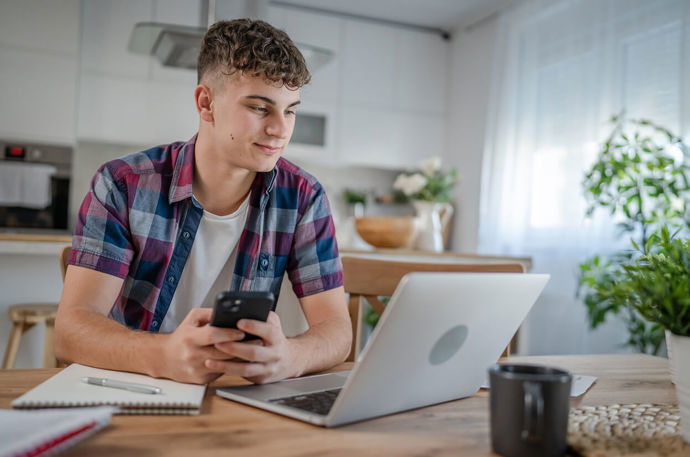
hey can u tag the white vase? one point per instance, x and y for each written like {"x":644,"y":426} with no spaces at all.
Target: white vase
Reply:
{"x":681,"y":360}
{"x":429,"y":224}
{"x":669,"y":352}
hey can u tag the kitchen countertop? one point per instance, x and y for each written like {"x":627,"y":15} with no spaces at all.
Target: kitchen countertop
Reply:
{"x":404,"y":254}
{"x":34,"y":242}
{"x":43,"y":238}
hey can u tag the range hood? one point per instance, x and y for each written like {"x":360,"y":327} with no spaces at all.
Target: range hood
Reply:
{"x":179,"y":45}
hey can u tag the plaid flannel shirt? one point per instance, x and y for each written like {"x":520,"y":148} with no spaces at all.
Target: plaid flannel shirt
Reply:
{"x":139,"y":219}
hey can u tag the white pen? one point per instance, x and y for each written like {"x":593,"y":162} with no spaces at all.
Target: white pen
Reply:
{"x":131,"y":386}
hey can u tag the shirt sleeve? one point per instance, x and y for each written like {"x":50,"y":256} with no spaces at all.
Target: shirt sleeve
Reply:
{"x":314,"y":265}
{"x":101,"y":238}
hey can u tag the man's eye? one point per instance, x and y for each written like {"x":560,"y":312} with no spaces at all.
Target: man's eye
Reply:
{"x":290,"y":113}
{"x":259,"y":109}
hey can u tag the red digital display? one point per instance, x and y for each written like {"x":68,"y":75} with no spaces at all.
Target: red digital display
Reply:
{"x":15,"y":152}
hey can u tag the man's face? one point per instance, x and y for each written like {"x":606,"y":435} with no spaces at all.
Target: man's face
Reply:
{"x":253,"y":121}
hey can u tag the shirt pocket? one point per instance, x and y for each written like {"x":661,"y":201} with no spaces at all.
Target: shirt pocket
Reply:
{"x":270,"y":265}
{"x":265,"y":264}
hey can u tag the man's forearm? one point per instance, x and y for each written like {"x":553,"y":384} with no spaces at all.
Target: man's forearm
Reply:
{"x":322,"y":346}
{"x":79,"y":337}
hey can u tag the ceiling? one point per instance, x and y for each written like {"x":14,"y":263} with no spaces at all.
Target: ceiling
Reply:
{"x":442,"y":14}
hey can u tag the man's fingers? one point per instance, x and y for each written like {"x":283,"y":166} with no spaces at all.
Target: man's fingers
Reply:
{"x":213,"y":353}
{"x":253,"y":327}
{"x":198,"y":316}
{"x":249,"y":351}
{"x":243,"y":369}
{"x":204,"y":335}
{"x":214,"y":335}
{"x":273,"y":318}
{"x":264,"y":330}
{"x":209,"y":335}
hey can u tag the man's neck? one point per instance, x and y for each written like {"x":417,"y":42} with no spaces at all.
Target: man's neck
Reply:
{"x":218,"y":186}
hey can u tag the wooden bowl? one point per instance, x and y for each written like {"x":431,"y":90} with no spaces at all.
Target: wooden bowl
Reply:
{"x":386,"y":231}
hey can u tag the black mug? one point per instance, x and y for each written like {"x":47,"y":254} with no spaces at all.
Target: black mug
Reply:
{"x":529,"y":410}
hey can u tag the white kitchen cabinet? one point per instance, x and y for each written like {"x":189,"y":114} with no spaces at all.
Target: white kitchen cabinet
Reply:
{"x":421,"y":72}
{"x":369,"y":64}
{"x":324,"y":32}
{"x":397,"y":139}
{"x":40,"y":25}
{"x":131,"y":98}
{"x":327,"y":153}
{"x":39,"y":42}
{"x":182,"y":12}
{"x":322,"y":95}
{"x":372,"y":137}
{"x":106,"y":27}
{"x":394,"y":67}
{"x":136,"y":112}
{"x":394,"y":96}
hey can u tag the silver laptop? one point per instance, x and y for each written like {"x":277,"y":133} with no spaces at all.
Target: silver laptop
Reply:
{"x":439,"y":334}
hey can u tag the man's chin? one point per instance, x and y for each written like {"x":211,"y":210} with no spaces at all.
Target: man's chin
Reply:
{"x":268,"y":164}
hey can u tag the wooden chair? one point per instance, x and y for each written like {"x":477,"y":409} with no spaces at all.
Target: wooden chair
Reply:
{"x":25,"y":316}
{"x":367,"y":278}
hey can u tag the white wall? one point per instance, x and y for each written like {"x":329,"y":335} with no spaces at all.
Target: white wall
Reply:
{"x":38,"y":70}
{"x":472,"y":59}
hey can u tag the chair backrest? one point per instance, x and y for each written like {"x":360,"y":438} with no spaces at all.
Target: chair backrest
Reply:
{"x":368,"y":278}
{"x":64,"y":255}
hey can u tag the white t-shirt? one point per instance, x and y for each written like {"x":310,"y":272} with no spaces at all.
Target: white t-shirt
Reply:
{"x":209,"y":266}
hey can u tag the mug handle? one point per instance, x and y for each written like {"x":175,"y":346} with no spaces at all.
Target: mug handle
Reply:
{"x":533,"y":420}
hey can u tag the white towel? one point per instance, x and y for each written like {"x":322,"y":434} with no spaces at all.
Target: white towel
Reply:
{"x":25,"y":184}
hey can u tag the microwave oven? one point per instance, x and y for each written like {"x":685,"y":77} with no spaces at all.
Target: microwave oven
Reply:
{"x":310,"y":129}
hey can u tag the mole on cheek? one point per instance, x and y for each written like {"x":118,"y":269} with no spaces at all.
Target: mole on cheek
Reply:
{"x":232,"y":136}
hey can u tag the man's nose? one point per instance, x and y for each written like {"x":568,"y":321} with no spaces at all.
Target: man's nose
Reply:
{"x":279,"y":127}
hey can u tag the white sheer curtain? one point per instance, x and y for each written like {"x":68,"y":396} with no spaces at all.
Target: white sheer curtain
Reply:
{"x":562,"y":69}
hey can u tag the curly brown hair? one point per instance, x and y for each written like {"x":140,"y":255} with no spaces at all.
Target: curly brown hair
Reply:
{"x":252,"y":47}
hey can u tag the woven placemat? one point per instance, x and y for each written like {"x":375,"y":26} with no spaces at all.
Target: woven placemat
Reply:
{"x":627,"y":430}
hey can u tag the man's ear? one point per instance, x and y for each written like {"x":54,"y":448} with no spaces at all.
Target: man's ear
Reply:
{"x":204,"y":102}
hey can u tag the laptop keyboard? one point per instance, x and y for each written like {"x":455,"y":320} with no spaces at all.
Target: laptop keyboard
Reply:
{"x":315,"y":402}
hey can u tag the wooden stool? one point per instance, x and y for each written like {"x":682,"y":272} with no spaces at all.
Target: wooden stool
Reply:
{"x":24,"y":317}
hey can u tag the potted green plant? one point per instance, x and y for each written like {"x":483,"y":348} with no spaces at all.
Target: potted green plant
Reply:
{"x":640,"y":176}
{"x":657,"y":286}
{"x":357,"y":199}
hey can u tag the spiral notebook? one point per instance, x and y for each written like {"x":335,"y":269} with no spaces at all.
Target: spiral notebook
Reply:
{"x":66,"y":389}
{"x":48,"y":432}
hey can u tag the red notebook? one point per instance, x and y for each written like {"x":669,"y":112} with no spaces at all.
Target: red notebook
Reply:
{"x":48,"y":431}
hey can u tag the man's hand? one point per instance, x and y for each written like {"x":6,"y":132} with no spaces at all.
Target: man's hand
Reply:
{"x":192,"y":344}
{"x":275,"y":357}
{"x":267,"y":360}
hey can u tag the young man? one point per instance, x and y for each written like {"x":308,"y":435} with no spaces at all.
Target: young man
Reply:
{"x":162,"y":231}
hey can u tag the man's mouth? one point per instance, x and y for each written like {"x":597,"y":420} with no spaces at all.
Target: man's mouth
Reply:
{"x":268,"y":149}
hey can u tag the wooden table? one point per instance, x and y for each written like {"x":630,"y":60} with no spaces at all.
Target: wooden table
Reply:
{"x":455,"y":428}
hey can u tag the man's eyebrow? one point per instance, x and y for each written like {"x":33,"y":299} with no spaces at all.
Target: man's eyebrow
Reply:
{"x":270,"y":101}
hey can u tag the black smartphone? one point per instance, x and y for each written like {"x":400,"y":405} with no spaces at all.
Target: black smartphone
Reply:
{"x":230,"y":307}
